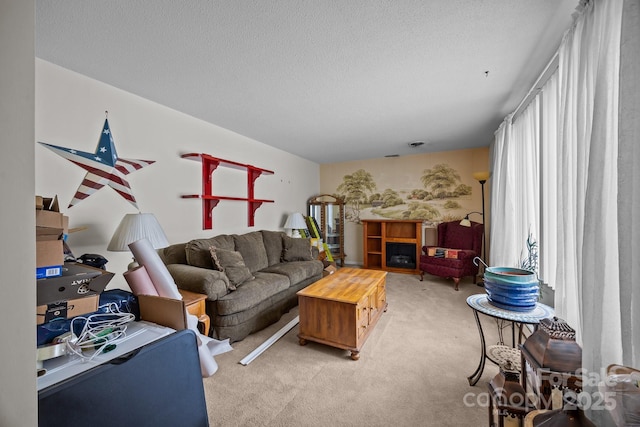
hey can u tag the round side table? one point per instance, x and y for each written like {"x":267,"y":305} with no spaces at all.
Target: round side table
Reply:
{"x":479,"y":303}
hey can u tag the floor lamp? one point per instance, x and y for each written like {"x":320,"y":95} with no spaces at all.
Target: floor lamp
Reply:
{"x":482,"y":178}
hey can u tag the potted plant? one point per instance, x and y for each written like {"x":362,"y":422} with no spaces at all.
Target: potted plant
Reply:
{"x":530,"y":262}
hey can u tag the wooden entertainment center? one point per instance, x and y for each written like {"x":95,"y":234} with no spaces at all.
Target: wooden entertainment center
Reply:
{"x":392,"y":245}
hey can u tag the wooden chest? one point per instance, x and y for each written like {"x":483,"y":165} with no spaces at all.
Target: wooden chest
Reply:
{"x":340,"y":310}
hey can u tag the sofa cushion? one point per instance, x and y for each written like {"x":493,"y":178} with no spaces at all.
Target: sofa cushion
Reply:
{"x":273,"y":245}
{"x":296,"y":249}
{"x":251,"y":246}
{"x":297,"y":271}
{"x":173,"y":254}
{"x":232,"y":265}
{"x":197,"y":250}
{"x":252,"y":292}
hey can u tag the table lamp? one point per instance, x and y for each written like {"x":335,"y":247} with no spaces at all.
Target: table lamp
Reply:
{"x":134,"y":227}
{"x":295,"y":222}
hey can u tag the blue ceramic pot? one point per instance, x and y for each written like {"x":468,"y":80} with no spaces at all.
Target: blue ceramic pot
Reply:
{"x":511,"y":288}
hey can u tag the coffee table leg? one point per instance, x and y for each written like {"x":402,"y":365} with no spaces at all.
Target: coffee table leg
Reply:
{"x":473,"y":378}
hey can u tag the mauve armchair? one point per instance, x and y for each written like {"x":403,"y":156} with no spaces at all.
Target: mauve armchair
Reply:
{"x":468,"y":243}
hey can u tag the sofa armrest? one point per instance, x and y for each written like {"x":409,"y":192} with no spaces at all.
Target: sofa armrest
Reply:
{"x":212,"y":283}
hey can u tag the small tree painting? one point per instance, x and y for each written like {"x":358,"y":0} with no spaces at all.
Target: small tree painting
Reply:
{"x":354,"y":190}
{"x":440,"y":179}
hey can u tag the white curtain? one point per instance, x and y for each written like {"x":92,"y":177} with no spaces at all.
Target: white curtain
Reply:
{"x":582,"y":230}
{"x":578,"y":109}
{"x":515,"y":187}
{"x":587,"y":277}
{"x":526,"y":128}
{"x":503,"y":249}
{"x":548,"y":180}
{"x":628,"y":179}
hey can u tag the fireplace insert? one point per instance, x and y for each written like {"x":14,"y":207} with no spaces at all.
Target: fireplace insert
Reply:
{"x":401,"y":255}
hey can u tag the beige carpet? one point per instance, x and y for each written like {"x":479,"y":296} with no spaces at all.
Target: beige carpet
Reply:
{"x":412,"y":370}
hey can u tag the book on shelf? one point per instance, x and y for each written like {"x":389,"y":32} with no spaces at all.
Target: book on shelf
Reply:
{"x":317,"y":227}
{"x":313,"y":227}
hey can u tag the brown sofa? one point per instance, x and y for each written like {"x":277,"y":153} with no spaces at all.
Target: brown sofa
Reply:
{"x":250,"y":279}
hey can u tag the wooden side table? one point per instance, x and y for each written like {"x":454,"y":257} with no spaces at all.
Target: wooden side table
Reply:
{"x":195,"y":304}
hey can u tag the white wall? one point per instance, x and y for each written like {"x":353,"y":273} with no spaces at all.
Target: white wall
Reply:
{"x":70,"y":112}
{"x":18,"y":406}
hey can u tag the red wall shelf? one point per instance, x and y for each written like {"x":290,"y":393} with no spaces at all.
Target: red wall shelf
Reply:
{"x":210,"y":201}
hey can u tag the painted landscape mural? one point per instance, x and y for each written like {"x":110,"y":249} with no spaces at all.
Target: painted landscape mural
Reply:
{"x":438,"y":199}
{"x":434,"y":188}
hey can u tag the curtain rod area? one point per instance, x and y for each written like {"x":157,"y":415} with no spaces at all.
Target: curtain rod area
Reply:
{"x":548,"y":71}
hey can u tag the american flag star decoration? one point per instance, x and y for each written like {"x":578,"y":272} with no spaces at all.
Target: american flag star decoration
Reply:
{"x":103,"y":167}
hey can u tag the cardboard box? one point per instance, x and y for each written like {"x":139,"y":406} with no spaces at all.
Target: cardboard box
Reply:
{"x":49,"y":253}
{"x":48,"y":271}
{"x":163,"y":311}
{"x":77,"y":281}
{"x":49,"y":247}
{"x":46,"y":233}
{"x":48,"y":213}
{"x":49,"y":219}
{"x":66,"y":309}
{"x":47,"y":203}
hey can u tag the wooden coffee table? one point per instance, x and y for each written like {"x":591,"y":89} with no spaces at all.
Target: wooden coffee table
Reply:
{"x":341,"y":309}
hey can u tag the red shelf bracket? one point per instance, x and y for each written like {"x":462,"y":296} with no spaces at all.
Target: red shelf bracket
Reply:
{"x":207,"y":212}
{"x":253,"y":207}
{"x":208,"y":167}
{"x":210,"y":201}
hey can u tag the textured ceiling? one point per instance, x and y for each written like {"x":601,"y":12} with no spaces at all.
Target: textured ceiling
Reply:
{"x":328,"y":80}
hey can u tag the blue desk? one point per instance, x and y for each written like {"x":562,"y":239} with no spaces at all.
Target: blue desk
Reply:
{"x":504,"y":318}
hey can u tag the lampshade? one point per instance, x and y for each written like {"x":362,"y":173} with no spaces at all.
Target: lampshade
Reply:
{"x":134,"y":227}
{"x":481,"y":176}
{"x":295,"y":221}
{"x":465,"y":222}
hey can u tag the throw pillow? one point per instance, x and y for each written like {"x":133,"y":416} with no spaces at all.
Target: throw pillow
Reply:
{"x":273,"y":245}
{"x":251,"y":246}
{"x":232,"y":264}
{"x":296,"y":249}
{"x":197,"y":250}
{"x":196,"y":255}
